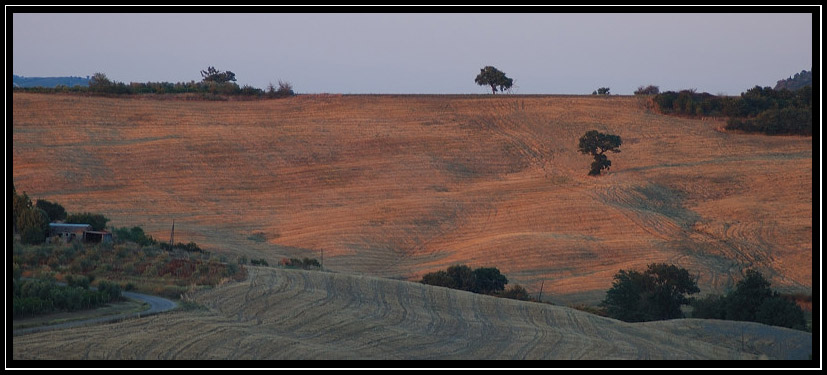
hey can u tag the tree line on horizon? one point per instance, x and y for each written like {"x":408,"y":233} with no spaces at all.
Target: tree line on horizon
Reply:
{"x":214,"y":83}
{"x":779,"y":111}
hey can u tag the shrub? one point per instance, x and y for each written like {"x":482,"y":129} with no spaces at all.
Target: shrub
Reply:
{"x":285,"y":89}
{"x":516,"y":292}
{"x":648,"y":90}
{"x":439,"y":278}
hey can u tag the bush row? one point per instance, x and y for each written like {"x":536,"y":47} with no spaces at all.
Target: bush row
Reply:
{"x":32,"y":297}
{"x":759,"y":109}
{"x":483,"y":280}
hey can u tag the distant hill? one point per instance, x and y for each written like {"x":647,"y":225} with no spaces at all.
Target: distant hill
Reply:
{"x":20,"y":81}
{"x":796,"y":82}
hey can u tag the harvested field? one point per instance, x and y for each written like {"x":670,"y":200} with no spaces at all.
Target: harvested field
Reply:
{"x":293,"y":314}
{"x":396,"y":186}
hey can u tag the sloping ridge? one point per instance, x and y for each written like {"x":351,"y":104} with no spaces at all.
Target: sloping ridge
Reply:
{"x":293,"y":314}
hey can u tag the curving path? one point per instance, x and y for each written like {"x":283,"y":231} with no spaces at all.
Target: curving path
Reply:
{"x":156,"y":305}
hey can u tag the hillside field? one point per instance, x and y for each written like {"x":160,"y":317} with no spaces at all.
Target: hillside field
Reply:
{"x":284,"y":315}
{"x":395,"y":186}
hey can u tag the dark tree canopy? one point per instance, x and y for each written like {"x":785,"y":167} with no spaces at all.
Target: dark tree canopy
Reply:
{"x":213,"y":75}
{"x":597,"y":144}
{"x":97,"y":221}
{"x":752,"y":300}
{"x":55,"y":211}
{"x":655,"y":294}
{"x":490,"y":76}
{"x":485,"y":280}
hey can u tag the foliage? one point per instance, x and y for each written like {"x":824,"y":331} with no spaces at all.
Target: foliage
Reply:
{"x":191,"y":247}
{"x":655,"y":294}
{"x":99,"y":82}
{"x":135,"y":234}
{"x":55,"y":211}
{"x":97,"y":221}
{"x":33,"y":297}
{"x":305,"y":263}
{"x":804,"y":78}
{"x":285,"y":89}
{"x":213,"y":75}
{"x":213,"y":85}
{"x":516,"y":292}
{"x":490,"y":76}
{"x":648,"y":90}
{"x":601,"y":91}
{"x":758,"y":110}
{"x":259,"y":262}
{"x":752,"y":300}
{"x":485,"y":280}
{"x":143,"y":268}
{"x":488,"y":280}
{"x":597,"y":144}
{"x":32,"y":222}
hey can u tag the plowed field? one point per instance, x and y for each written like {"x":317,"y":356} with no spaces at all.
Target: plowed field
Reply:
{"x":397,"y":186}
{"x":282,"y":314}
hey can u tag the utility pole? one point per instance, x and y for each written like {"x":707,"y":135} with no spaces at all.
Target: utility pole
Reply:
{"x":540,"y":298}
{"x":172,"y":234}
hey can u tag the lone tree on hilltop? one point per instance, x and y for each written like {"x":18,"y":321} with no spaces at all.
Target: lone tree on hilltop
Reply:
{"x":213,"y":75}
{"x":596,"y":144}
{"x":490,"y":76}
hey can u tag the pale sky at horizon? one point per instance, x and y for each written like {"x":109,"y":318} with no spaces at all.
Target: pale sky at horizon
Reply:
{"x":426,"y":53}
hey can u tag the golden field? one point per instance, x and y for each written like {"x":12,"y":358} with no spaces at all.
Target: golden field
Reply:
{"x":395,"y":186}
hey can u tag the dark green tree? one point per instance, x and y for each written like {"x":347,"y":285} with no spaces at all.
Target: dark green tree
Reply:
{"x":20,"y":204}
{"x":779,"y":311}
{"x":463,"y":277}
{"x":490,"y":76}
{"x":99,"y":82}
{"x":648,"y":90}
{"x":97,"y":221}
{"x":55,"y":211}
{"x":33,"y":225}
{"x":752,"y":300}
{"x":438,"y":278}
{"x":213,"y":75}
{"x":488,"y":280}
{"x":597,"y":144}
{"x":655,"y":294}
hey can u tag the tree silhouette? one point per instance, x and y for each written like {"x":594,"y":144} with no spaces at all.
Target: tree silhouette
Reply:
{"x":213,"y":75}
{"x":490,"y":76}
{"x":596,"y":144}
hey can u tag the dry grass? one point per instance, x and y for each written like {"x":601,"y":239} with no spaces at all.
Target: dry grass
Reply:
{"x":307,"y":315}
{"x":397,"y":186}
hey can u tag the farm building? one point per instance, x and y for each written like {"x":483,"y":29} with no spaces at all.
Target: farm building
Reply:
{"x":97,"y":236}
{"x":69,"y":232}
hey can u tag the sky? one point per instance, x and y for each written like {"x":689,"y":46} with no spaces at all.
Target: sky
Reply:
{"x":424,"y":53}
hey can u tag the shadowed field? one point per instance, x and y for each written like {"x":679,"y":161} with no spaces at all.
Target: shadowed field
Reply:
{"x":397,"y":186}
{"x":301,"y":315}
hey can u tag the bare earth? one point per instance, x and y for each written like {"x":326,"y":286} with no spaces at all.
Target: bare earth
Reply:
{"x":397,"y":186}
